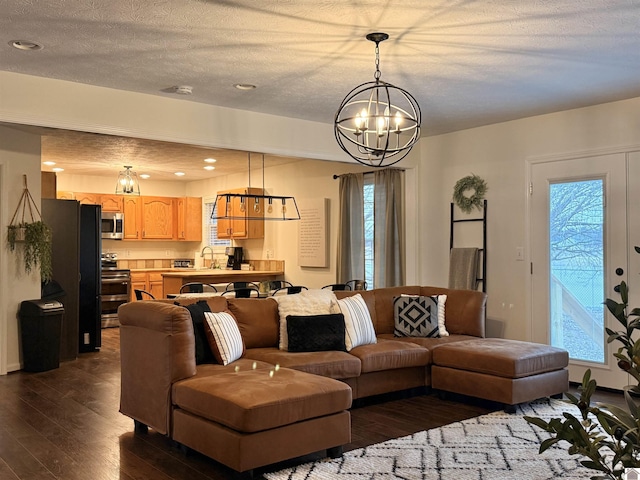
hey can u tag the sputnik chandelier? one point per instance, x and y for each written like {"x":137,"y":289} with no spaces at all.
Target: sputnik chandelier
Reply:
{"x":377,"y":123}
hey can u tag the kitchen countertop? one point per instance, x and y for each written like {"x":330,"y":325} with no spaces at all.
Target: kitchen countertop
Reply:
{"x":209,"y":272}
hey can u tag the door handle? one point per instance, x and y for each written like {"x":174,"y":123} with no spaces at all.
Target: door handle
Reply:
{"x":619,"y":271}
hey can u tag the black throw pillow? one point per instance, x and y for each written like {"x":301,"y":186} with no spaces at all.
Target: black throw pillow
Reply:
{"x":316,"y":333}
{"x":203,"y":350}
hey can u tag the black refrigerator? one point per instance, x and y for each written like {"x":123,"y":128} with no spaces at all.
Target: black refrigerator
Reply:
{"x":76,"y":247}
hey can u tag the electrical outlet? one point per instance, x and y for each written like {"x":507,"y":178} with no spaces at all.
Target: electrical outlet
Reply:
{"x":269,"y":254}
{"x":128,"y":254}
{"x":167,"y":253}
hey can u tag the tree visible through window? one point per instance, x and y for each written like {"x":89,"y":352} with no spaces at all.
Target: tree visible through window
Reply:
{"x":576,"y":252}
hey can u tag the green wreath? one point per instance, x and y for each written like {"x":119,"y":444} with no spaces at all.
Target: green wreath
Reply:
{"x":471,"y":182}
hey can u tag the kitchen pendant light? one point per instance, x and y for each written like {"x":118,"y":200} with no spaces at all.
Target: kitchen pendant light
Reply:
{"x":127,"y":182}
{"x":252,"y":206}
{"x":377,"y":123}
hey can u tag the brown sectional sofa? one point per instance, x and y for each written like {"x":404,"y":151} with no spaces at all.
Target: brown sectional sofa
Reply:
{"x":249,"y":414}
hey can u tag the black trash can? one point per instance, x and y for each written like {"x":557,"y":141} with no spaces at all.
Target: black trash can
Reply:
{"x":41,"y":327}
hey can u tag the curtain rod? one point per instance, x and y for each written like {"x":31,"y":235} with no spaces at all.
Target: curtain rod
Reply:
{"x":335,"y":177}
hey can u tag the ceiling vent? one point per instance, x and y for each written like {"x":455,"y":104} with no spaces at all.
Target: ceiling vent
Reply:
{"x":183,"y":89}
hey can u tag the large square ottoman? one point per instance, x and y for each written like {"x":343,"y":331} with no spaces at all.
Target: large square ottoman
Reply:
{"x":506,"y":371}
{"x":253,"y":418}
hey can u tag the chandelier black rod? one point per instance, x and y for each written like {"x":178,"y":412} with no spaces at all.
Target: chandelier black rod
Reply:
{"x":336,"y":176}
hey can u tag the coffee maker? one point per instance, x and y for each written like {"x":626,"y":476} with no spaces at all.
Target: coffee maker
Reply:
{"x":235,"y":257}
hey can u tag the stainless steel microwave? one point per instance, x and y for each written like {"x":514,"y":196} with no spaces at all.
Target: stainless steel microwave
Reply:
{"x":112,"y":225}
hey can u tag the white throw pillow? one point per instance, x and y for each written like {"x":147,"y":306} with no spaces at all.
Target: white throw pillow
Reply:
{"x":223,"y":336}
{"x":357,"y":322}
{"x":307,"y":302}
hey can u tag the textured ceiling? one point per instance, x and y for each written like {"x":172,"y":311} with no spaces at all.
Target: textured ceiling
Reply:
{"x":468,"y":63}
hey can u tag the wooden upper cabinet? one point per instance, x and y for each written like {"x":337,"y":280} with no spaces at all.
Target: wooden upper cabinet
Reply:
{"x":88,"y":198}
{"x":189,"y":219}
{"x":112,"y":203}
{"x":61,"y":195}
{"x":248,"y":223}
{"x":150,"y":218}
{"x":157,"y":218}
{"x":132,"y":218}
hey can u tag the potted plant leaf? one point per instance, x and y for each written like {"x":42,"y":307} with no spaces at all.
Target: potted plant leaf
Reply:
{"x":29,"y":236}
{"x":607,"y":435}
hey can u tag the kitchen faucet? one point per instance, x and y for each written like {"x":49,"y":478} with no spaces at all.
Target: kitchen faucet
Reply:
{"x":211,"y":252}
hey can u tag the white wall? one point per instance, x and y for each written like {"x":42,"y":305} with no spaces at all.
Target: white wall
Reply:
{"x":57,"y":103}
{"x":499,"y":153}
{"x":19,"y":155}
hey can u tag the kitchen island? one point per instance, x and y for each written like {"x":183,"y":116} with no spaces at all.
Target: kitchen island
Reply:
{"x":172,"y":281}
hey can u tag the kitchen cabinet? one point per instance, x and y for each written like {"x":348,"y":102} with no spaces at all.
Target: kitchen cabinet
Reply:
{"x":48,"y":185}
{"x":189,"y":219}
{"x":111,"y":203}
{"x":149,"y":282}
{"x":155,"y":284}
{"x":88,"y":198}
{"x":157,"y":218}
{"x":247,"y":222}
{"x":61,"y":195}
{"x":132,"y":218}
{"x":138,"y":282}
{"x":152,"y":218}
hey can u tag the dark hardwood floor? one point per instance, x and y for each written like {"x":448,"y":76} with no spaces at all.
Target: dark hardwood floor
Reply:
{"x":65,"y":424}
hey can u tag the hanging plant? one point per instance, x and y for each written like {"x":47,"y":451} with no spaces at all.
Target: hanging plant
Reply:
{"x":30,"y":236}
{"x":470,"y":183}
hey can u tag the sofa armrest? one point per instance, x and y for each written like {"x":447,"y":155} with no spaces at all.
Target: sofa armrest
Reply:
{"x":157,"y":348}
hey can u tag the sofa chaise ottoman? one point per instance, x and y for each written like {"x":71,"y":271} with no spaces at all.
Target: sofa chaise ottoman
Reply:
{"x":506,"y":371}
{"x":248,"y":419}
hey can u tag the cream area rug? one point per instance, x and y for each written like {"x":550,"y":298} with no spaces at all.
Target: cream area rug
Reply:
{"x":497,"y":446}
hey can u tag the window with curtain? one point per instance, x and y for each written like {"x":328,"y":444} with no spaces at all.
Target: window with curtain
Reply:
{"x":212,"y":226}
{"x":369,"y":228}
{"x":371,"y":240}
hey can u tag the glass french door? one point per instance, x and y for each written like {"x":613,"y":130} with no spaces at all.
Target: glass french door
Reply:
{"x":579,"y":254}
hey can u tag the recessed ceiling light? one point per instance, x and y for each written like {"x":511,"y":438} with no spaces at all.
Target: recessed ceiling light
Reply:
{"x":25,"y":45}
{"x":244,"y":86}
{"x":144,"y":175}
{"x":179,"y":174}
{"x":210,"y":160}
{"x":49,"y":163}
{"x":209,"y":167}
{"x":58,"y":169}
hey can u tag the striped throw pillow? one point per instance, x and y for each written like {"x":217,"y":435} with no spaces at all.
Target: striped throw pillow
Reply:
{"x":223,"y":336}
{"x":357,"y":322}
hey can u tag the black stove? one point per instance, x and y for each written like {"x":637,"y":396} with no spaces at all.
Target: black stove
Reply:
{"x":115,"y":289}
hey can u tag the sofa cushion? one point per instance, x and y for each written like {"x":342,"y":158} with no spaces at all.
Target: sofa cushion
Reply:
{"x":316,"y":333}
{"x":501,"y":357}
{"x":257,"y":319}
{"x":357,"y":320}
{"x":331,"y":364}
{"x":391,"y":354}
{"x":419,"y":316}
{"x":224,"y":337}
{"x":257,"y":400}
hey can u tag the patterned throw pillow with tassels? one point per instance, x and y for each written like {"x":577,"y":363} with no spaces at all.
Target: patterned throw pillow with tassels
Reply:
{"x":419,"y":316}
